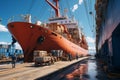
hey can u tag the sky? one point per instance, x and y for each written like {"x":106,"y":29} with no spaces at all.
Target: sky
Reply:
{"x":41,"y":11}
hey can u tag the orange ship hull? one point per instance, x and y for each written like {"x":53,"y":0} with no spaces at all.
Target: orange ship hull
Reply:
{"x":28,"y":34}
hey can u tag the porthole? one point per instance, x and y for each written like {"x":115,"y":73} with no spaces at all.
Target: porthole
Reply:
{"x":40,"y":39}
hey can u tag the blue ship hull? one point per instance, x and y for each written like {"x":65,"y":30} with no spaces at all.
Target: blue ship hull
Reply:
{"x":108,"y":32}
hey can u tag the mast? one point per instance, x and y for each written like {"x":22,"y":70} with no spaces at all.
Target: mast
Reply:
{"x":55,"y":7}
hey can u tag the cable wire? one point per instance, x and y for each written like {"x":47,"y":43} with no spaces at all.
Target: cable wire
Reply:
{"x":85,"y":5}
{"x":68,"y":7}
{"x":31,"y":6}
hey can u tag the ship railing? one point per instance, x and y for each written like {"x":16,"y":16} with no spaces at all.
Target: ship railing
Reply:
{"x":23,"y":18}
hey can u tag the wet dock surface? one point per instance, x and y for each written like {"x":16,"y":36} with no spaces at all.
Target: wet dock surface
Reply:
{"x":88,"y":69}
{"x":82,"y":69}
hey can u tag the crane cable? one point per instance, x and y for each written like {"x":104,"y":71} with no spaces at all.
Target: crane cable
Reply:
{"x":31,"y":6}
{"x":93,"y":18}
{"x":42,"y":12}
{"x":92,"y":15}
{"x":61,"y":8}
{"x":85,"y":5}
{"x":69,"y":7}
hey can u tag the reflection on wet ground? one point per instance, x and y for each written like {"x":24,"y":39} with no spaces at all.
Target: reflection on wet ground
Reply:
{"x":88,"y":70}
{"x":78,"y":73}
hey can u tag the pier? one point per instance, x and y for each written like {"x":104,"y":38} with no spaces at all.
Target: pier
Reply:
{"x":27,"y":71}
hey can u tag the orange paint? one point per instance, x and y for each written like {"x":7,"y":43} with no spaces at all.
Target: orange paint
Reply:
{"x":27,"y":35}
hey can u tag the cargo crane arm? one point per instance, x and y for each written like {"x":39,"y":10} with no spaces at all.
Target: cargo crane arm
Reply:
{"x":56,"y":8}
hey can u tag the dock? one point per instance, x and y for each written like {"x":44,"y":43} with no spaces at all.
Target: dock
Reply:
{"x":27,"y":71}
